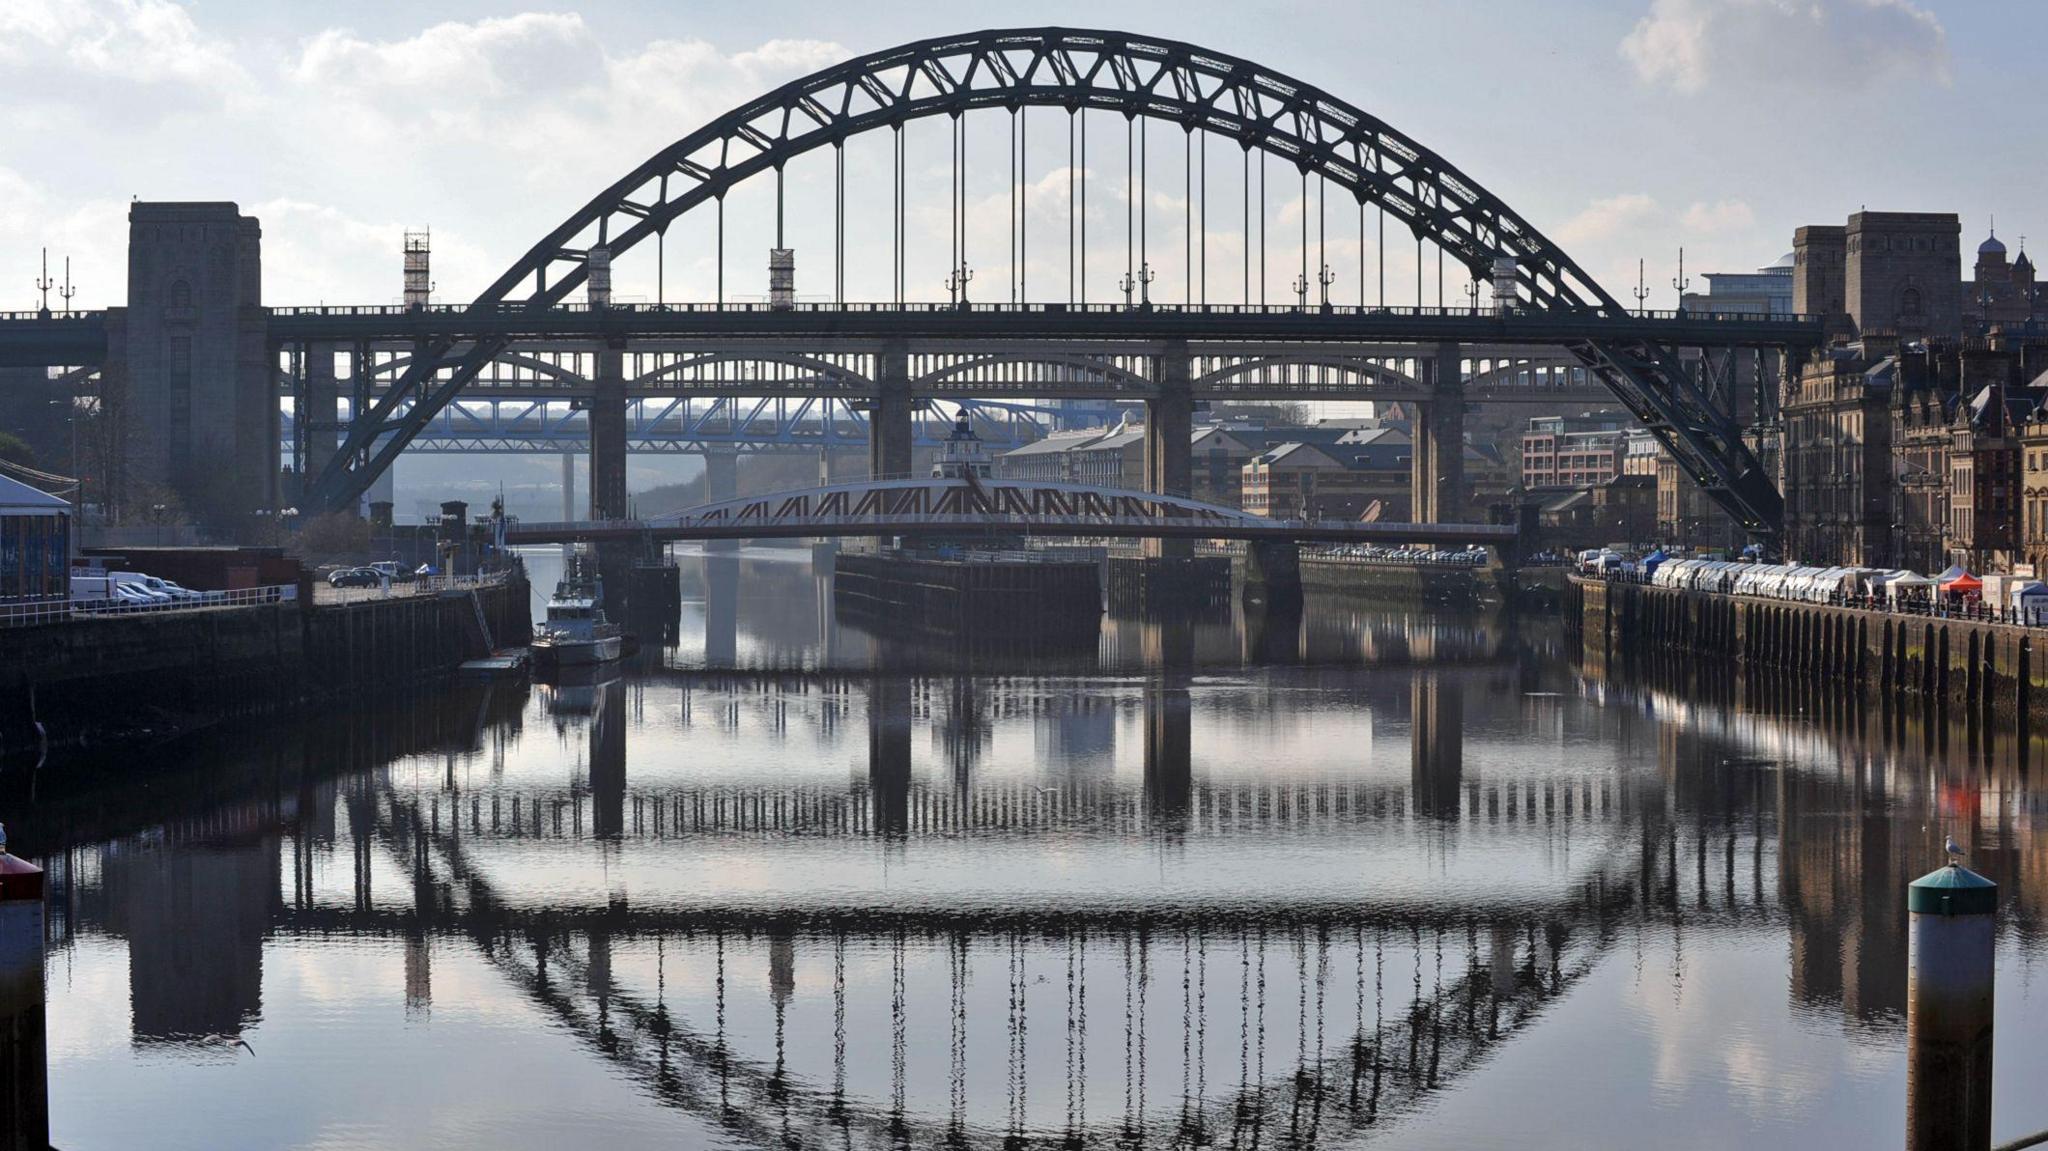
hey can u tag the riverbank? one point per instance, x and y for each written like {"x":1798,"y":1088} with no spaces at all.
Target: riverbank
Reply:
{"x":1980,"y":668}
{"x":137,"y":678}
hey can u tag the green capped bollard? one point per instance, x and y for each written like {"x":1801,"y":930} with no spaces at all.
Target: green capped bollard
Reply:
{"x":1948,"y":1010}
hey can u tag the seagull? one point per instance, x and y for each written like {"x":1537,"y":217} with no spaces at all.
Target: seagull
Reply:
{"x":1955,"y":853}
{"x":229,"y":1042}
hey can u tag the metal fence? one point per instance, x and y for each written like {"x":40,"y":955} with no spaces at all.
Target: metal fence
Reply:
{"x":324,"y":593}
{"x":28,"y":612}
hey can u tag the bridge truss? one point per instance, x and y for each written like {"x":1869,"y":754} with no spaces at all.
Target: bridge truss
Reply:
{"x":971,"y":506}
{"x":1203,"y":93}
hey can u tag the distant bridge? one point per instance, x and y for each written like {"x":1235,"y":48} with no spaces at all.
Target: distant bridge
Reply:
{"x":913,"y":507}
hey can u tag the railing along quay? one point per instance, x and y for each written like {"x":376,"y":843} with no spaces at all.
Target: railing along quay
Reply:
{"x":23,"y":613}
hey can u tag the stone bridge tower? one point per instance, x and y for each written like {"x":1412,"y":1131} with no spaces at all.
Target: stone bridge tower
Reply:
{"x":192,"y":380}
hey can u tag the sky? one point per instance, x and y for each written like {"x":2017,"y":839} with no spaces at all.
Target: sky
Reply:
{"x":1624,"y":129}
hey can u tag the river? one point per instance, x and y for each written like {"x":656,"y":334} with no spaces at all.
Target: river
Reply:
{"x":1372,"y":877}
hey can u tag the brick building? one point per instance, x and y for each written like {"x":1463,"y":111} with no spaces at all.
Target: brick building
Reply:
{"x":1332,"y":481}
{"x":1572,"y":451}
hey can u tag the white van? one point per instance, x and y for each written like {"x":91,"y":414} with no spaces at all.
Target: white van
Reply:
{"x":87,"y":588}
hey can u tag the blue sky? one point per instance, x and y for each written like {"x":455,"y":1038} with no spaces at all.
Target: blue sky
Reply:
{"x":1623,"y":128}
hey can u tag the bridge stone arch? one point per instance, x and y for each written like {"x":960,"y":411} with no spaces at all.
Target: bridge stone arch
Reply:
{"x":1076,"y":69}
{"x":1372,"y":373}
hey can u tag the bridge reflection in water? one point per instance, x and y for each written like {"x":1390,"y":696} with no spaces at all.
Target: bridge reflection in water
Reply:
{"x":1084,"y":906}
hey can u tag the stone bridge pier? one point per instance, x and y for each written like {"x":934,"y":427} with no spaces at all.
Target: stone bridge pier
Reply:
{"x":890,"y":429}
{"x":721,"y":482}
{"x":1169,"y":436}
{"x":1438,"y":465}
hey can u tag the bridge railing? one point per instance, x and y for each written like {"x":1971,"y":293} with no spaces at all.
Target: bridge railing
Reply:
{"x":80,"y":316}
{"x":1043,"y":308}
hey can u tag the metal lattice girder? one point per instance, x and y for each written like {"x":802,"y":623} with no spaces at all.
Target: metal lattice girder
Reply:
{"x":1656,"y":388}
{"x":1176,"y":82}
{"x":975,"y":505}
{"x":673,"y":424}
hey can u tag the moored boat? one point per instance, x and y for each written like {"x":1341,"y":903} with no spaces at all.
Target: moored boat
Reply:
{"x":576,"y":632}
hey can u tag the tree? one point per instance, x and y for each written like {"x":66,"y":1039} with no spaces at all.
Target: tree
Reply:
{"x":332,"y":536}
{"x":15,"y":450}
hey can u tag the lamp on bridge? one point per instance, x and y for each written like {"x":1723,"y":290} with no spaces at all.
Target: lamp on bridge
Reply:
{"x":1141,"y":284}
{"x":956,"y":284}
{"x":43,"y":284}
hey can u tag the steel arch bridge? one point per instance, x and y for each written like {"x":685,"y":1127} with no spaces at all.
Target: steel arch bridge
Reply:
{"x":1079,"y":70}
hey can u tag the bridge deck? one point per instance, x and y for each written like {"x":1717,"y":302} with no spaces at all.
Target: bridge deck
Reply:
{"x":31,"y":338}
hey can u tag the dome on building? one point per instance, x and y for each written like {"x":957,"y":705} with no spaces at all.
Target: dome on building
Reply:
{"x":1991,"y":246}
{"x":1785,"y":261}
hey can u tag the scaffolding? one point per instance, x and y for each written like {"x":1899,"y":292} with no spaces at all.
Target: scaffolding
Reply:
{"x":419,"y":282}
{"x":782,"y":278}
{"x":598,"y":288}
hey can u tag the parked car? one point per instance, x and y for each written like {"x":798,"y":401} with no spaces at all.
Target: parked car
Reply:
{"x":130,"y":592}
{"x":356,"y":577}
{"x":171,"y":589}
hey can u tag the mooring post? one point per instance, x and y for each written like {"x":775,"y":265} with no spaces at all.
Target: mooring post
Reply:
{"x":1948,"y":1010}
{"x":24,"y":1050}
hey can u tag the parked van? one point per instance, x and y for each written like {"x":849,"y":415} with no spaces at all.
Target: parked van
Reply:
{"x":87,"y":588}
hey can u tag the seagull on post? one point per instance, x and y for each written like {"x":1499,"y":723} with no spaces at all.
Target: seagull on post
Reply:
{"x":1955,"y":852}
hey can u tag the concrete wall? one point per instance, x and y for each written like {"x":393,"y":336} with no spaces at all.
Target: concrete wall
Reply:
{"x":1406,"y":582}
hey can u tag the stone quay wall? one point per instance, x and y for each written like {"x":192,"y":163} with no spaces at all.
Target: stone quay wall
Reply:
{"x":1989,"y":669}
{"x":153,"y":674}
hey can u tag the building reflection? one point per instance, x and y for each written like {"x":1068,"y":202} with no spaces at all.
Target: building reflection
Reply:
{"x":195,"y":914}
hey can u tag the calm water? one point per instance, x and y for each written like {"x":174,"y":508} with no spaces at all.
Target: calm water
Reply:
{"x":1367,"y":878}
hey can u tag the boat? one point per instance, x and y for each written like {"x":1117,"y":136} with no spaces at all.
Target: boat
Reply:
{"x":576,"y":632}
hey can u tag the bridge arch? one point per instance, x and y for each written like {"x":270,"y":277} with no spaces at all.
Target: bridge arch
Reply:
{"x":1073,"y":69}
{"x":1078,"y":69}
{"x":1087,"y":365}
{"x":788,"y":359}
{"x":1367,"y":370}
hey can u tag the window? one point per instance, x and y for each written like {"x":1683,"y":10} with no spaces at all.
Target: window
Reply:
{"x":1909,"y":302}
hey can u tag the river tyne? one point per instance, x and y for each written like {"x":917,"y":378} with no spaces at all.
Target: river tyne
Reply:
{"x":1367,"y":878}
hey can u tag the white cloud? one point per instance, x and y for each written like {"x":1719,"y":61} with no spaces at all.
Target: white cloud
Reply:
{"x":1602,"y":220}
{"x":1689,"y":44}
{"x":142,"y":41}
{"x":314,"y":253}
{"x":1720,"y":216}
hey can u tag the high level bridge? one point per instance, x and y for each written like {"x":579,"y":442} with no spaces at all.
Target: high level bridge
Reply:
{"x":1533,"y":323}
